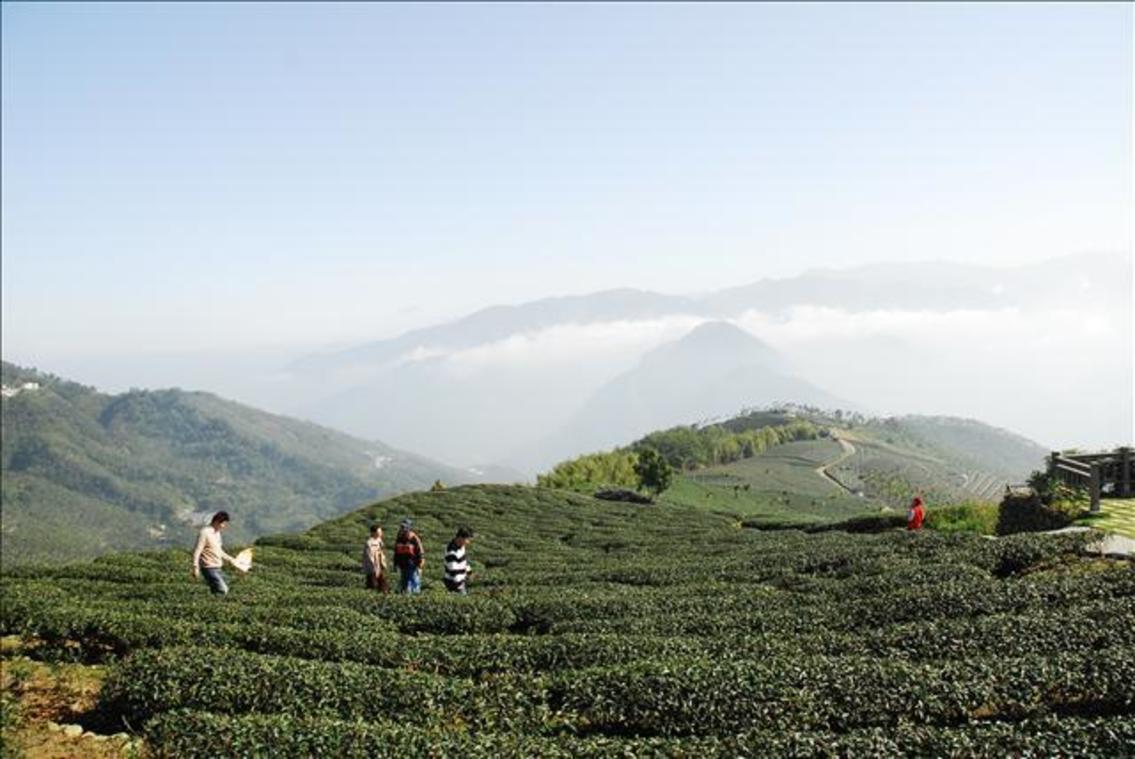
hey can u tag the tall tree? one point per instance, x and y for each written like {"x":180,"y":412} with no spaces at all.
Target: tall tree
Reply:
{"x":654,"y":474}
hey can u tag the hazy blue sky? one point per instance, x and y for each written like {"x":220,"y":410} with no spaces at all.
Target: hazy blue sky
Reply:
{"x":183,"y":176}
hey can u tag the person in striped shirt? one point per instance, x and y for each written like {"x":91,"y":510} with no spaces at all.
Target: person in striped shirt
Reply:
{"x":457,"y":572}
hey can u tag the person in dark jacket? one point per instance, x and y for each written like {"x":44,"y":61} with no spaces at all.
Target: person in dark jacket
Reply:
{"x":409,"y":557}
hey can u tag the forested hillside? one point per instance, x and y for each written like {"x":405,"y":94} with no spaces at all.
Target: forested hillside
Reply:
{"x":85,"y":472}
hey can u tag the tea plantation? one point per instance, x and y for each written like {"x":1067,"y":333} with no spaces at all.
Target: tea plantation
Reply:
{"x":606,"y":629}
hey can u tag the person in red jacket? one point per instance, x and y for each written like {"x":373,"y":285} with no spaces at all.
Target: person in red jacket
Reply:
{"x":916,"y":515}
{"x":409,"y":558}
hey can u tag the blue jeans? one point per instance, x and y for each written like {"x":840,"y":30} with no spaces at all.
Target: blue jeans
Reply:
{"x":215,"y":579}
{"x":411,"y":579}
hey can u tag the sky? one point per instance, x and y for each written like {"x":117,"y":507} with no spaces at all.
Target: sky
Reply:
{"x":191,"y":177}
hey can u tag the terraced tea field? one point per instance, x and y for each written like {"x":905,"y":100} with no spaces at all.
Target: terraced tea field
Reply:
{"x":602,"y":629}
{"x":889,"y":474}
{"x":782,"y":484}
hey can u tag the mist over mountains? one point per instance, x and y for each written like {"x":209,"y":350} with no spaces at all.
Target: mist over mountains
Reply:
{"x":508,"y":391}
{"x":1042,"y":349}
{"x":711,"y":372}
{"x":1001,"y":345}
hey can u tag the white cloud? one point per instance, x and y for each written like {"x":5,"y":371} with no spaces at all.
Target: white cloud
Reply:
{"x":420,"y":353}
{"x":802,"y":327}
{"x":563,"y":345}
{"x":1011,"y":326}
{"x":1055,"y":373}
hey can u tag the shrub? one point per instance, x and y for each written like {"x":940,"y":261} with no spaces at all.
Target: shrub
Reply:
{"x":237,"y":682}
{"x":1028,"y":513}
{"x":203,"y":734}
{"x":976,"y":517}
{"x":673,"y":698}
{"x":863,"y":524}
{"x":654,"y":474}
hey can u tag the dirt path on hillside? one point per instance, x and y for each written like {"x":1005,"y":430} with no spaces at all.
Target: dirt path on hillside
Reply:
{"x":53,"y":708}
{"x":848,"y":452}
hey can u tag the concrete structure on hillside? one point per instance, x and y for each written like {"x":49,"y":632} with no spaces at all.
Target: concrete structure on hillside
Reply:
{"x":11,"y":391}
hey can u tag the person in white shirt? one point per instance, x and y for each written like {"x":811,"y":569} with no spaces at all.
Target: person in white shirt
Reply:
{"x":374,"y":561}
{"x":209,"y":556}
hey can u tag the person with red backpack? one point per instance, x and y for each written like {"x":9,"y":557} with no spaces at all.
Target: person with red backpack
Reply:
{"x":409,"y":558}
{"x":916,"y":515}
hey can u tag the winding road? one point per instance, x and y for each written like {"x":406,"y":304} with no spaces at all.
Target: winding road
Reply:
{"x":848,"y":452}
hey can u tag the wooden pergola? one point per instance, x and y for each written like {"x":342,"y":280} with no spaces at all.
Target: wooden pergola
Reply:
{"x":1105,"y":475}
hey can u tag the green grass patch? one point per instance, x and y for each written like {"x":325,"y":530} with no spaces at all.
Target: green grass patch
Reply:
{"x":1116,"y":515}
{"x":976,"y":517}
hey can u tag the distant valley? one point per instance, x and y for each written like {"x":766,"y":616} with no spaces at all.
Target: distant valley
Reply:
{"x":522,"y":385}
{"x":85,"y":473}
{"x":509,"y":391}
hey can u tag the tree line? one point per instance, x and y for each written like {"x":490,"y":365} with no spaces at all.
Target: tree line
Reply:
{"x":685,"y":448}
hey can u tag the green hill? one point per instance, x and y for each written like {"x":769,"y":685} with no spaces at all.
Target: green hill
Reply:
{"x":85,"y":473}
{"x":603,"y":629}
{"x":778,"y":487}
{"x":973,"y":444}
{"x":949,"y":459}
{"x":798,"y":465}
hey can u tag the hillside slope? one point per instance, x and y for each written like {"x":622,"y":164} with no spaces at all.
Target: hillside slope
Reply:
{"x":820,"y":466}
{"x":597,"y":629}
{"x":781,"y":486}
{"x":972,"y":442}
{"x":882,"y":463}
{"x":886,"y":460}
{"x":85,"y":473}
{"x":948,"y":459}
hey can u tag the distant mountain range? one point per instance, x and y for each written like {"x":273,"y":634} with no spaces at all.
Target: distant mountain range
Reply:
{"x":86,"y":473}
{"x":501,"y":322}
{"x":713,"y":371}
{"x":936,"y":338}
{"x":910,"y":286}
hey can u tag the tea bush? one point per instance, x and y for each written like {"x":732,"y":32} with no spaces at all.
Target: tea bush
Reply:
{"x":185,"y":733}
{"x":607,"y":629}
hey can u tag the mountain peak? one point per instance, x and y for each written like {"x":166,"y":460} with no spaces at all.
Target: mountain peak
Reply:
{"x":719,"y":334}
{"x":719,"y":341}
